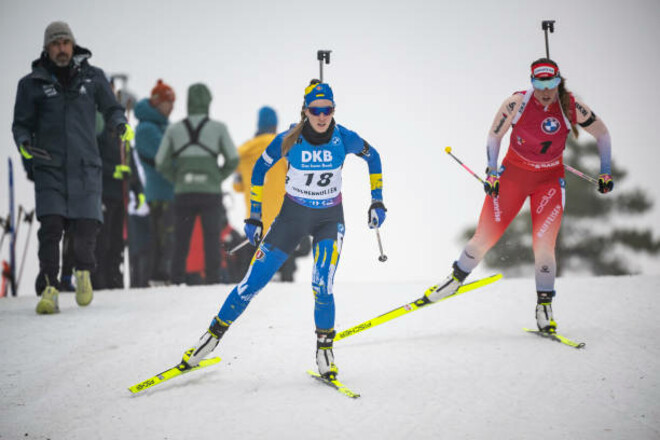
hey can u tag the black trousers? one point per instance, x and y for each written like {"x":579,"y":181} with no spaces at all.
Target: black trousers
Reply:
{"x":161,"y":233}
{"x":67,"y":254}
{"x":110,"y":247}
{"x":139,"y":250}
{"x":186,"y":208}
{"x":51,"y":228}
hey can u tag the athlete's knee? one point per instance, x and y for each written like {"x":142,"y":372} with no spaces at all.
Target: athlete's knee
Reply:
{"x":544,"y":251}
{"x":322,"y":294}
{"x":265,"y":263}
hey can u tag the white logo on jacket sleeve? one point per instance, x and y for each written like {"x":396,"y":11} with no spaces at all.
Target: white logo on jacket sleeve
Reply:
{"x":267,"y":158}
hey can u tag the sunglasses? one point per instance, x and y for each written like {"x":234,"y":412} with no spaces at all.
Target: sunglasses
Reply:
{"x":316,"y":111}
{"x":543,"y":84}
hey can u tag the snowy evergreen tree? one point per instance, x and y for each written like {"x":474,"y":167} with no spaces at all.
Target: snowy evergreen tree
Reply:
{"x":592,"y":238}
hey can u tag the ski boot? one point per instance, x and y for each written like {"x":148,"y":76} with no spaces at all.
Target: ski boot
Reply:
{"x":544,"y":319}
{"x":84,"y":292}
{"x":49,"y":302}
{"x":448,"y":287}
{"x":206,"y":343}
{"x":325,"y":358}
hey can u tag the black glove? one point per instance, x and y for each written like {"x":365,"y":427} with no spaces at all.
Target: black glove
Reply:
{"x":605,"y":183}
{"x":492,"y":185}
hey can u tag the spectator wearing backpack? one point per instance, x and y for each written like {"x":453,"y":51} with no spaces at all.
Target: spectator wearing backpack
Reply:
{"x":188,"y":157}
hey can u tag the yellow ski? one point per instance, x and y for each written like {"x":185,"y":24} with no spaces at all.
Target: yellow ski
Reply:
{"x":334,"y":383}
{"x":412,"y":306}
{"x":171,"y":373}
{"x":554,"y":336}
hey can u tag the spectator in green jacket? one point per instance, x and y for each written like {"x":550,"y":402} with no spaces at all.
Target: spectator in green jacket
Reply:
{"x":189,"y":156}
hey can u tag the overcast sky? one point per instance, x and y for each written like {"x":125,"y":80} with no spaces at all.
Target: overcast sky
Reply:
{"x":410,"y":77}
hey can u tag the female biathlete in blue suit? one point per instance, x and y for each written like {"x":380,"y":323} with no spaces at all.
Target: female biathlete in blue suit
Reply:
{"x":315,"y":149}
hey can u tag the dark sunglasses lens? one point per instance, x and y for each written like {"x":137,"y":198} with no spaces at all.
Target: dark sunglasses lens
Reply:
{"x":316,"y":111}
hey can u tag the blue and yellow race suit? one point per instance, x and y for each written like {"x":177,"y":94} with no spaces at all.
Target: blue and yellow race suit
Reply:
{"x":312,"y":206}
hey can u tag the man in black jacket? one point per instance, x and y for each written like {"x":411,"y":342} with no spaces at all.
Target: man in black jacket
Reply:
{"x":119,"y":176}
{"x":55,"y":130}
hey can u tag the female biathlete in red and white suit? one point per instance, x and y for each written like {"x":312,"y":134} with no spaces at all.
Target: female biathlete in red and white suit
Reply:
{"x":542,"y":118}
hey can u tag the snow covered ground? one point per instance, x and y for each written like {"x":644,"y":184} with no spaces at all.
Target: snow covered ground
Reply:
{"x":462,"y":369}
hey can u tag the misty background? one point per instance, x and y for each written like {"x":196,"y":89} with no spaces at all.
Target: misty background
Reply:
{"x":411,"y":78}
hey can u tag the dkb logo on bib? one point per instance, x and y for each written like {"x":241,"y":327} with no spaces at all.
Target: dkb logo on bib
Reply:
{"x":317,"y":156}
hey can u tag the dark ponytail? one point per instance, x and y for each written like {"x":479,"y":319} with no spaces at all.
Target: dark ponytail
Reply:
{"x":564,"y":96}
{"x":565,"y":101}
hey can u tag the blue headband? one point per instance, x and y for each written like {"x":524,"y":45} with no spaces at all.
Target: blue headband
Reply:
{"x":318,"y":91}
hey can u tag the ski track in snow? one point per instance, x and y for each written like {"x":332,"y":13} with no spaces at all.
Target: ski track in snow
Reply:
{"x":461,"y":369}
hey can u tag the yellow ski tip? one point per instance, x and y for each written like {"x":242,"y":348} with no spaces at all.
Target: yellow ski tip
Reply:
{"x":211,"y":361}
{"x":170,"y":373}
{"x":447,"y":150}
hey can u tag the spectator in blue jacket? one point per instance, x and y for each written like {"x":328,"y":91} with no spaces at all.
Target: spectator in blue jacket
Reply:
{"x":153,"y":114}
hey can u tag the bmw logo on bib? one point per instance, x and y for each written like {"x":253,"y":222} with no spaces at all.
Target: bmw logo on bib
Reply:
{"x":550,"y":125}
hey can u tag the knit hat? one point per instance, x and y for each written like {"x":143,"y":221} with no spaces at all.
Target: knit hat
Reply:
{"x":199,"y":99}
{"x":57,"y":30}
{"x":161,"y":92}
{"x":267,"y":122}
{"x":318,"y":91}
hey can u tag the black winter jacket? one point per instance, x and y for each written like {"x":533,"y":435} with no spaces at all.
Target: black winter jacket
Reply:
{"x":110,"y":148}
{"x":61,"y":119}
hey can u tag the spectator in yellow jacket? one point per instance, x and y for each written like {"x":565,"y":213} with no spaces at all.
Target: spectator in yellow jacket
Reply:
{"x":273,"y":192}
{"x":248,"y":153}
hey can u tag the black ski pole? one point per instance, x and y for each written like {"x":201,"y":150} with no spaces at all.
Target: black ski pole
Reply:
{"x":17,"y":225}
{"x":547,"y":25}
{"x":28,"y":218}
{"x":4,"y":224}
{"x":382,"y":257}
{"x":127,"y":100}
{"x":322,"y":55}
